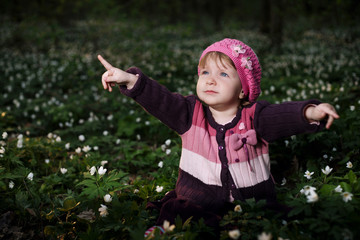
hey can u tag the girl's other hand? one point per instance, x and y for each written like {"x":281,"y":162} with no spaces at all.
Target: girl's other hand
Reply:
{"x":115,"y":76}
{"x":321,"y":112}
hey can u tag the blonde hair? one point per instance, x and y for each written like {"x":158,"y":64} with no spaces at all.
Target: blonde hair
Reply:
{"x":224,"y":61}
{"x":218,"y":57}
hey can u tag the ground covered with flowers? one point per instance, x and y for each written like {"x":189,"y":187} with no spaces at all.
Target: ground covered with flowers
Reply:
{"x":77,"y":162}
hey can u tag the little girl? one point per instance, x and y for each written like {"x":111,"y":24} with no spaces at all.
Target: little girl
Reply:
{"x":225,"y":132}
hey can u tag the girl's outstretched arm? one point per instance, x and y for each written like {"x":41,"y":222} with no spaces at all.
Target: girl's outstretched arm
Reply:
{"x":115,"y":76}
{"x":321,"y":112}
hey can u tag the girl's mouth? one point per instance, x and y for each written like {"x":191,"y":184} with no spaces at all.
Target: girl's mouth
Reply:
{"x":210,"y":92}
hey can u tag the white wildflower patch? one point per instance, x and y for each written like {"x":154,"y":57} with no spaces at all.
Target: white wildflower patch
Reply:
{"x":63,"y":170}
{"x":11,"y":184}
{"x":4,"y":135}
{"x":103,"y":210}
{"x":86,"y":149}
{"x":30,"y":176}
{"x":81,"y":138}
{"x":327,"y":170}
{"x":92,"y":170}
{"x":349,"y":164}
{"x":338,"y":189}
{"x":160,"y":164}
{"x":102,"y":170}
{"x":308,"y":174}
{"x":234,"y":234}
{"x":167,"y":227}
{"x":107,"y":198}
{"x":347,"y":196}
{"x":238,"y":208}
{"x":159,"y":189}
{"x":265,"y":236}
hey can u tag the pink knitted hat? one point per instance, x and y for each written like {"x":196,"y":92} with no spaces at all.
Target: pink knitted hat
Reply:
{"x":245,"y":61}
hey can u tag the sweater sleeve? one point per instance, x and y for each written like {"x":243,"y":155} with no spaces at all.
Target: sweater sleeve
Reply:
{"x":274,"y":121}
{"x":173,"y":109}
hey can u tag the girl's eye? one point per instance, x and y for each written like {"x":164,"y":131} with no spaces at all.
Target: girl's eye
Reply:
{"x":224,"y":74}
{"x":205,"y":73}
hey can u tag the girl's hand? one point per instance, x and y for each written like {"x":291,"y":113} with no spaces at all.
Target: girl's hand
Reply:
{"x":321,"y":112}
{"x":115,"y":76}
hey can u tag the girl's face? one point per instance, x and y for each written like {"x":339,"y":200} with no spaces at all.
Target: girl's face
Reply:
{"x":219,"y":85}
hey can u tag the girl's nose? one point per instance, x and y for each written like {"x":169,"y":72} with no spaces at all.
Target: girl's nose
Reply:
{"x":210,"y":81}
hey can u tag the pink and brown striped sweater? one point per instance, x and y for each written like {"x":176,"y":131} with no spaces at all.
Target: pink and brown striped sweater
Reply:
{"x":220,"y":163}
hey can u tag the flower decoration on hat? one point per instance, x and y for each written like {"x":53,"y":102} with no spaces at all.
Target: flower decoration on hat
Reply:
{"x":237,"y":49}
{"x":246,"y":62}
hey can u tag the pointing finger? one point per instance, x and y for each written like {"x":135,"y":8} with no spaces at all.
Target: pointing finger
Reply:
{"x":329,"y":122}
{"x":105,"y":63}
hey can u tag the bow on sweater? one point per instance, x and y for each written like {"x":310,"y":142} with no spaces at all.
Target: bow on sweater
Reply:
{"x":238,"y":141}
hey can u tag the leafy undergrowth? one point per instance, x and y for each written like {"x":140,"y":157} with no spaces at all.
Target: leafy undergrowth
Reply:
{"x":77,"y":162}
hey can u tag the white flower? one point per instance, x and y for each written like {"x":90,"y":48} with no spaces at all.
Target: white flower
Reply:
{"x":138,"y":137}
{"x":168,"y":151}
{"x":286,"y":143}
{"x":107,"y":198}
{"x":308,"y":174}
{"x":325,"y":156}
{"x":338,"y":189}
{"x":96,"y":148}
{"x":163,"y":147}
{"x":86,"y":148}
{"x":136,"y":191}
{"x":352,"y":108}
{"x":327,"y":170}
{"x":167,"y":227}
{"x":283,"y":181}
{"x":11,"y":184}
{"x":349,"y":164}
{"x":307,"y":190}
{"x":67,"y":146}
{"x":81,"y":138}
{"x":2,"y":150}
{"x":78,"y":150}
{"x":103,"y":210}
{"x":58,"y":139}
{"x":4,"y":135}
{"x":265,"y":236}
{"x":105,"y":133}
{"x":234,"y":234}
{"x":102,"y":171}
{"x":147,"y":123}
{"x":168,"y":142}
{"x":103,"y":162}
{"x":347,"y":196}
{"x":312,"y":197}
{"x":19,"y":143}
{"x":160,"y":164}
{"x":92,"y":170}
{"x":159,"y":189}
{"x":47,"y":161}
{"x":63,"y":170}
{"x":30,"y":176}
{"x":118,"y":141}
{"x":238,"y":208}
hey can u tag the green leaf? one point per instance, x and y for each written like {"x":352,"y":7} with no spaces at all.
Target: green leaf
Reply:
{"x":69,"y":203}
{"x":345,"y":186}
{"x":327,"y":189}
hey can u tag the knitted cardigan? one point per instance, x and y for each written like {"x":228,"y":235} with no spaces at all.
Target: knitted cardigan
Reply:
{"x":220,"y":163}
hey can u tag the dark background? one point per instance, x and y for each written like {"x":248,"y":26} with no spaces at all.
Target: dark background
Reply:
{"x":276,"y":18}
